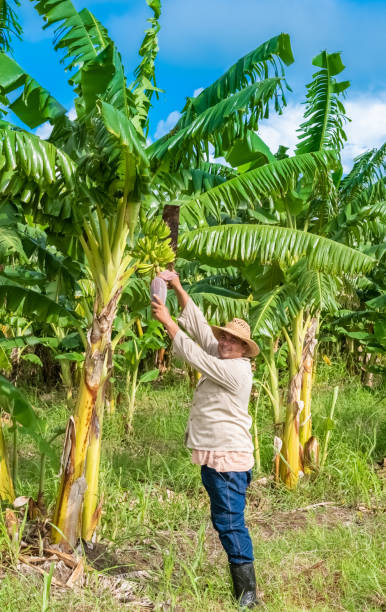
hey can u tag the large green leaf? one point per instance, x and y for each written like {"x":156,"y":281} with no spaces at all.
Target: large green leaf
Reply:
{"x":325,"y":114}
{"x":15,"y":402}
{"x":145,"y":83}
{"x":123,"y":130}
{"x":34,"y":105}
{"x":43,"y":178}
{"x":33,"y":305}
{"x":249,"y":153}
{"x":273,"y":179}
{"x":23,"y":341}
{"x":243,"y":244}
{"x":219,"y":308}
{"x":270,"y":314}
{"x":10,"y":244}
{"x":318,"y":290}
{"x":253,"y":66}
{"x":80,"y":34}
{"x":51,"y":261}
{"x":221,"y":123}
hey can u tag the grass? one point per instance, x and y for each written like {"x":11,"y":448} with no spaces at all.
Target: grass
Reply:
{"x":156,"y":514}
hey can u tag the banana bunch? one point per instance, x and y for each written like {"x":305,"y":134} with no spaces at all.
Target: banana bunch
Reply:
{"x":153,"y":251}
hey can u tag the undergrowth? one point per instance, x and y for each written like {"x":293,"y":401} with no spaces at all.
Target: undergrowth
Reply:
{"x":156,"y":514}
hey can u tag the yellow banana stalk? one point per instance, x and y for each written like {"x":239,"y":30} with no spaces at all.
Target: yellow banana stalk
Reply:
{"x":301,"y":348}
{"x":7,"y":492}
{"x":78,"y":493}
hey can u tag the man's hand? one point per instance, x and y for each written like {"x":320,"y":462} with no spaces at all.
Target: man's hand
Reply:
{"x":161,"y":313}
{"x":171,"y":278}
{"x":173,"y":281}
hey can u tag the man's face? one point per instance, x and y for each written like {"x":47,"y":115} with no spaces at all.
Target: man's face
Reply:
{"x":230,"y":347}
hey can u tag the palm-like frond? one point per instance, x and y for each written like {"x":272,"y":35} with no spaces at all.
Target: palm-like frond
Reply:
{"x":253,"y":66}
{"x":355,"y":227}
{"x":34,"y":105}
{"x":54,"y":264}
{"x":368,"y":170}
{"x":136,"y":294}
{"x":318,"y":291}
{"x":89,"y":49}
{"x":40,"y":176}
{"x":192,"y":181}
{"x":222,"y":123}
{"x":270,"y":180}
{"x":243,"y":244}
{"x":145,"y":83}
{"x":325,"y":114}
{"x":9,"y":25}
{"x":270,"y":314}
{"x":219,"y":308}
{"x":79,"y":34}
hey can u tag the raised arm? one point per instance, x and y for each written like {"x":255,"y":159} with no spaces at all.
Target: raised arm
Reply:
{"x":225,"y":372}
{"x":192,"y":319}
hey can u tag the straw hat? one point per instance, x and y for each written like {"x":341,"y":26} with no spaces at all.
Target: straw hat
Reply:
{"x":241,"y":330}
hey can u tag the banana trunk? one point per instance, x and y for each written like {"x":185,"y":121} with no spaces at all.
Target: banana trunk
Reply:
{"x":306,"y":392}
{"x":91,"y":508}
{"x":290,"y":460}
{"x":305,"y":396}
{"x":300,"y":350}
{"x":73,"y":482}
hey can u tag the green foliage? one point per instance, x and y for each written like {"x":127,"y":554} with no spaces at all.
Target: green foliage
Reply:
{"x":9,"y":25}
{"x":35,"y":104}
{"x":34,"y":305}
{"x":243,"y":244}
{"x":271,"y":180}
{"x":13,"y":401}
{"x":325,"y":114}
{"x":221,"y":124}
{"x":253,"y":66}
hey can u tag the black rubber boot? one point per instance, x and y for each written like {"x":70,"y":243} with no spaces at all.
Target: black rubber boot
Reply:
{"x":244,"y":582}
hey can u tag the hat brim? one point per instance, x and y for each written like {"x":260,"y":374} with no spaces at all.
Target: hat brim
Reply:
{"x":252,"y":346}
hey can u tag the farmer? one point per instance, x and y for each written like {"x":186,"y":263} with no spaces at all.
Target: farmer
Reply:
{"x":219,"y":423}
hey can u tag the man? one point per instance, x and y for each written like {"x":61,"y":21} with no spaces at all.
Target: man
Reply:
{"x":219,"y":423}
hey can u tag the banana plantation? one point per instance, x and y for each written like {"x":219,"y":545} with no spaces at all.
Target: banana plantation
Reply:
{"x":101,"y":507}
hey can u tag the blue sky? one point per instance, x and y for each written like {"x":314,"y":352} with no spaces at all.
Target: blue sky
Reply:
{"x":199,"y":39}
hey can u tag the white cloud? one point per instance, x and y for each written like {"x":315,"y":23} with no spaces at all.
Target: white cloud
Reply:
{"x":72,"y":113}
{"x":44,"y":131}
{"x":197,"y":91}
{"x":366,"y":130}
{"x":164,"y":126}
{"x":281,"y":129}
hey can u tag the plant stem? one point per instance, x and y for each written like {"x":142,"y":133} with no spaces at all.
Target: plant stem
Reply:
{"x":15,"y":457}
{"x":133,"y":391}
{"x":328,"y":432}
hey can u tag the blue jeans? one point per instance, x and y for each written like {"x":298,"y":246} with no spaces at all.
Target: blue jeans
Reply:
{"x":227,"y":491}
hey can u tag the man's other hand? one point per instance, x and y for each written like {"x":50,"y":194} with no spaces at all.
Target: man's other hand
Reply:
{"x":160,"y":311}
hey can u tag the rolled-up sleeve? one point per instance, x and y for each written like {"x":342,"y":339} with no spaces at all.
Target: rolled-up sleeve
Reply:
{"x":194,"y":322}
{"x":221,"y":371}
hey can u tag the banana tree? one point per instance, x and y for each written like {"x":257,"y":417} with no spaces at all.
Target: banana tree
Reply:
{"x":87,"y":183}
{"x":293,"y":192}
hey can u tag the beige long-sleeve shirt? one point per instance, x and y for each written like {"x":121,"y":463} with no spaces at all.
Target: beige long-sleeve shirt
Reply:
{"x":219,"y":419}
